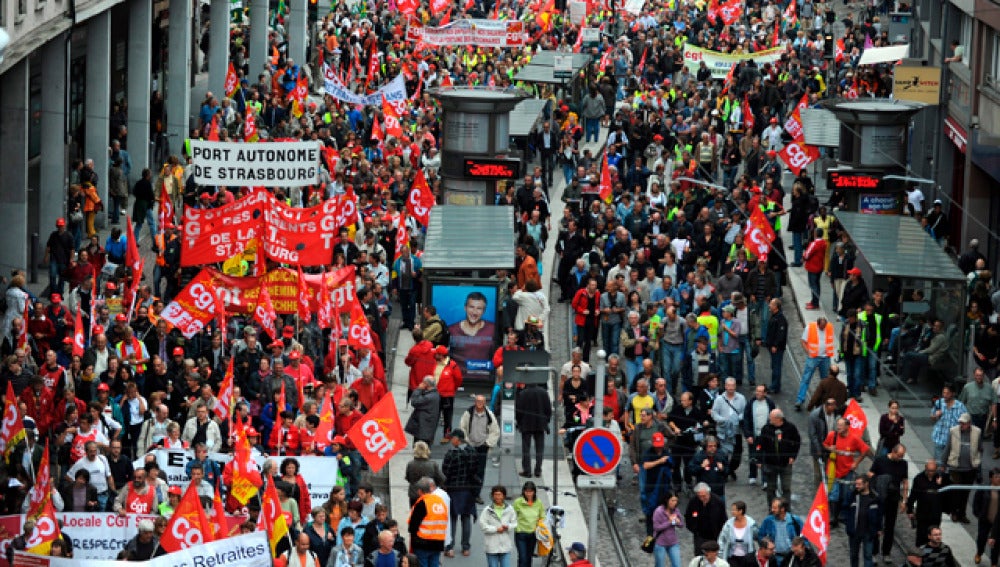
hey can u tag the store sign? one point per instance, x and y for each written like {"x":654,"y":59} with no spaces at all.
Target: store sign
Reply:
{"x":852,"y":180}
{"x":917,"y":84}
{"x":878,"y":204}
{"x":492,"y":168}
{"x":956,"y":134}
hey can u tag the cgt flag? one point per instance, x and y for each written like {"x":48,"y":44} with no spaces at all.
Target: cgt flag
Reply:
{"x":379,"y":435}
{"x":40,"y":495}
{"x":46,"y":531}
{"x":189,"y":526}
{"x":79,"y":341}
{"x":759,"y":233}
{"x":420,"y":200}
{"x":817,"y":528}
{"x":856,"y":417}
{"x":12,"y":428}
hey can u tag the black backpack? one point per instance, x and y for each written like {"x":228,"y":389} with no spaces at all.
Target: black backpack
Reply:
{"x":445,"y":338}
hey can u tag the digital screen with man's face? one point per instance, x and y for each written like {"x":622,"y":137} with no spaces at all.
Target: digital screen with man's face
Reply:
{"x":470,"y":313}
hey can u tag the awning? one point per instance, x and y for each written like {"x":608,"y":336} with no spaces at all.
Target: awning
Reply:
{"x":956,"y":133}
{"x":893,"y":53}
{"x":470,"y":238}
{"x":526,"y":115}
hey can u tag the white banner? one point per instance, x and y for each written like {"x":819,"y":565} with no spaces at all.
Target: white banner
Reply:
{"x":577,"y":11}
{"x":484,"y":33}
{"x":272,"y":164}
{"x":394,"y":91}
{"x":248,"y":550}
{"x":720,"y":63}
{"x":320,"y":473}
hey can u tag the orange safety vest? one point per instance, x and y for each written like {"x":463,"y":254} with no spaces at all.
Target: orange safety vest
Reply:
{"x":435,"y":523}
{"x":136,"y":348}
{"x":160,"y":246}
{"x":812,"y":341}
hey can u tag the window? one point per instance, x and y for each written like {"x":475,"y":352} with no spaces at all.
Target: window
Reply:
{"x":3,"y":13}
{"x":993,"y":66}
{"x":965,"y":36}
{"x":40,"y":4}
{"x":22,"y":10}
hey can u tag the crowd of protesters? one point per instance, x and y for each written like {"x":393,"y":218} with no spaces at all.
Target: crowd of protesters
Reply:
{"x":658,"y":276}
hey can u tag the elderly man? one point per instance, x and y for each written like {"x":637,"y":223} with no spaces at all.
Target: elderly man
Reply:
{"x":144,"y":544}
{"x":926,"y":503}
{"x":778,"y":446}
{"x":482,"y":433}
{"x":704,"y":516}
{"x":963,"y":454}
{"x":727,"y":411}
{"x":137,"y":497}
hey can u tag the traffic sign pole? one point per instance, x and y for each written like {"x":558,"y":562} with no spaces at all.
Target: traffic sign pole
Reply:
{"x":598,"y":421}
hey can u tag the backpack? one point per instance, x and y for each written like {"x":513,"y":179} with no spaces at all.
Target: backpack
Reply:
{"x":445,"y":338}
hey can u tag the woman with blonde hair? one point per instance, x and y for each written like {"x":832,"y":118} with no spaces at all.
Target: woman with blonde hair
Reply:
{"x":422,"y":466}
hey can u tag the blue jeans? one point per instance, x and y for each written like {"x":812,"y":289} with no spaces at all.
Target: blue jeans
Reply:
{"x":872,"y":369}
{"x":855,"y":375}
{"x":149,"y":219}
{"x":55,"y":277}
{"x":865,"y":544}
{"x":671,"y":363}
{"x":428,"y":558}
{"x":751,"y":364}
{"x":102,"y":499}
{"x":893,"y":339}
{"x":632,"y":369}
{"x":729,"y":176}
{"x":592,"y":126}
{"x":731,"y":365}
{"x":115,"y":210}
{"x":497,"y":560}
{"x":797,"y":246}
{"x":662,"y":552}
{"x":843,"y":489}
{"x":610,"y":335}
{"x":765,"y":315}
{"x":814,"y":286}
{"x":776,"y":360}
{"x":525,"y":544}
{"x":568,"y":172}
{"x":812,"y":364}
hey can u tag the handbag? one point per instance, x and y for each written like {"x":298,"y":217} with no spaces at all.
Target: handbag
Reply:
{"x":988,"y":429}
{"x":649,"y":544}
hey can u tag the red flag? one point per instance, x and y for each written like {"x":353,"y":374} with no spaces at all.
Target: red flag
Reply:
{"x":250,"y":133}
{"x":797,"y":155}
{"x":856,"y":417}
{"x":390,"y":120}
{"x":731,"y":11}
{"x":759,"y":233}
{"x":79,"y":341}
{"x":271,"y":517}
{"x":817,"y":528}
{"x":323,"y":313}
{"x":233,"y":80}
{"x":776,"y":39}
{"x":264,"y":312}
{"x":22,"y":337}
{"x":579,"y":42}
{"x":438,"y":6}
{"x":303,"y":307}
{"x":93,"y":305}
{"x":224,"y":401}
{"x":446,"y":80}
{"x":246,"y":478}
{"x":282,"y":401}
{"x":605,"y":191}
{"x":213,"y":129}
{"x":421,"y":200}
{"x":402,"y":239}
{"x":446,"y":18}
{"x":218,"y":518}
{"x":379,"y":434}
{"x":166,"y":208}
{"x":11,"y":429}
{"x":298,"y":96}
{"x":838,"y":51}
{"x":132,"y":258}
{"x":748,"y":120}
{"x":373,"y":65}
{"x":189,"y":526}
{"x":730,"y":76}
{"x":377,"y":133}
{"x":642,"y":60}
{"x":794,"y":126}
{"x":359,"y":334}
{"x":40,"y":495}
{"x":326,"y":419}
{"x":46,"y":531}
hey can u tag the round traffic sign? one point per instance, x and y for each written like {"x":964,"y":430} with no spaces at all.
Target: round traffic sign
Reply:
{"x":597,"y":451}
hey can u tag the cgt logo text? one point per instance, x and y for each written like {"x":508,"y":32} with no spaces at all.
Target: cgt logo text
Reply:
{"x":376,"y":441}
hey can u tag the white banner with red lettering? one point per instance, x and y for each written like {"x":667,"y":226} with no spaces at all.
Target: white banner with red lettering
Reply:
{"x":248,"y":550}
{"x":95,"y":535}
{"x":320,"y":473}
{"x":720,"y":63}
{"x":484,"y":33}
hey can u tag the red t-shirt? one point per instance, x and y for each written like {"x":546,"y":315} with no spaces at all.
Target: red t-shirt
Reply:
{"x":846,"y":448}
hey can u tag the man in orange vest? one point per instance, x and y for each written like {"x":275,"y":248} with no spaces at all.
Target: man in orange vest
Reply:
{"x":428,"y":524}
{"x":817,"y":341}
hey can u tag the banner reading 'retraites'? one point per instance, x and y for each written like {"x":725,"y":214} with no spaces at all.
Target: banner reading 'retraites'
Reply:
{"x":720,"y":63}
{"x":272,"y":164}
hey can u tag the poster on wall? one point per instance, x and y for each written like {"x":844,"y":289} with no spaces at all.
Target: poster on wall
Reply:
{"x":470,"y":313}
{"x":878,"y":204}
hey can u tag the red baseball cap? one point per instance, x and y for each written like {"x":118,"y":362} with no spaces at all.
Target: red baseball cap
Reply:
{"x":174,"y":490}
{"x":339,"y":440}
{"x":440,"y":349}
{"x":121,"y":317}
{"x":288,"y":332}
{"x":178,"y":351}
{"x":60,"y":221}
{"x":854,"y":272}
{"x":98,"y":330}
{"x":67,"y":340}
{"x":276,"y":344}
{"x":659,"y":440}
{"x":110,"y":285}
{"x":103,"y":388}
{"x":294,"y":355}
{"x":251,"y":432}
{"x":55,"y":298}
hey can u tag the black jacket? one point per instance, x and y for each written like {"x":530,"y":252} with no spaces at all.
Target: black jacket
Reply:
{"x":705,"y":520}
{"x":808,"y":560}
{"x":777,"y":332}
{"x":924,"y":492}
{"x":533,"y":410}
{"x":776,"y":445}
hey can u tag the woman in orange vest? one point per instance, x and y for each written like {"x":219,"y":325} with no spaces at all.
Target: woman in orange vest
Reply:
{"x":91,"y":204}
{"x":817,"y":341}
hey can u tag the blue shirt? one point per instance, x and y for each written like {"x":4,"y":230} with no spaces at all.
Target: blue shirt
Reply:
{"x":116,"y":248}
{"x":949,"y":419}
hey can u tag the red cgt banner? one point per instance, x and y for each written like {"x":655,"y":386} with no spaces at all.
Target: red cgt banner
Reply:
{"x":290,"y":235}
